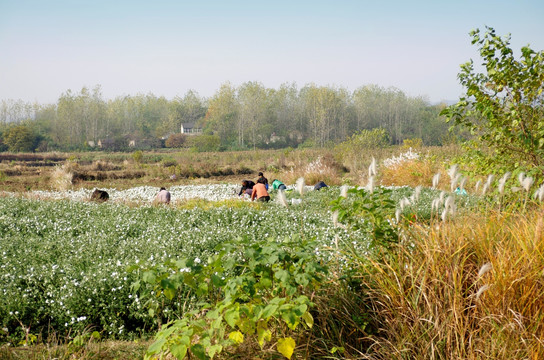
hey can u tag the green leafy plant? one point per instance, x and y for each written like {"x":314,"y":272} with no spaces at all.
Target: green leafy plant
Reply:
{"x":372,"y":212}
{"x":247,"y":289}
{"x":503,"y":106}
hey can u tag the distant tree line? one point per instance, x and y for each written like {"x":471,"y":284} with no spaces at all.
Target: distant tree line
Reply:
{"x":245,"y":117}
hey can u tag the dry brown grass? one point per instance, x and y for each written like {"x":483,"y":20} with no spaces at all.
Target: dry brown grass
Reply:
{"x":62,"y":177}
{"x":429,"y":301}
{"x":412,"y":173}
{"x":104,"y":350}
{"x":322,"y":168}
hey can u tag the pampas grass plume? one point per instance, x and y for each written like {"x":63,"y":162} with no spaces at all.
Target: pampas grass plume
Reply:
{"x":521,"y":177}
{"x":61,"y":178}
{"x":539,"y":193}
{"x":282,"y":198}
{"x":372,"y":170}
{"x":482,"y":290}
{"x":484,"y":269}
{"x":527,"y":183}
{"x":436,"y":180}
{"x":370,"y":185}
{"x":452,"y":172}
{"x":477,"y":186}
{"x":503,"y":181}
{"x":344,"y":191}
{"x":300,"y":185}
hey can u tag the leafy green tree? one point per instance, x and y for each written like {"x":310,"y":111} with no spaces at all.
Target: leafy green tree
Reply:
{"x":503,"y":106}
{"x":203,"y":143}
{"x":20,"y":138}
{"x":175,"y":141}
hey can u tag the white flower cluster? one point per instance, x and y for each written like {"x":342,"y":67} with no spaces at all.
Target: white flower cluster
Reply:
{"x":398,"y":160}
{"x":144,"y":194}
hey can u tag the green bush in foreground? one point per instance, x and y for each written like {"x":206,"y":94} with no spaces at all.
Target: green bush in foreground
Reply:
{"x":248,"y":289}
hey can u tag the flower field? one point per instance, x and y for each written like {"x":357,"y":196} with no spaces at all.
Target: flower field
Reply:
{"x":63,"y":262}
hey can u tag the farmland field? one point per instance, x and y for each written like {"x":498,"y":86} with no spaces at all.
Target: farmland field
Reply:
{"x":69,"y":266}
{"x":64,"y":261}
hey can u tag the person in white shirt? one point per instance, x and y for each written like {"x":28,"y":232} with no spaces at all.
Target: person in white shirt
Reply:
{"x":163,"y":196}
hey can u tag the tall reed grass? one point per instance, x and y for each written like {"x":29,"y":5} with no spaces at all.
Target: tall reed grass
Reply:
{"x":471,"y":288}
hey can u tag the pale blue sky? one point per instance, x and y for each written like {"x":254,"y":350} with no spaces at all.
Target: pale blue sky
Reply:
{"x":168,"y":47}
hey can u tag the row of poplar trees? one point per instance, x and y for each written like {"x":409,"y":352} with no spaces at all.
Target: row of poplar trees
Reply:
{"x":247,"y":116}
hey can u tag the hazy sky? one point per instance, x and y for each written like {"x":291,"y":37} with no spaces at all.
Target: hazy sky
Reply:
{"x":169,"y":47}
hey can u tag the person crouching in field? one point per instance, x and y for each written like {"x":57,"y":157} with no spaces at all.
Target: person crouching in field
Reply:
{"x":260,"y":192}
{"x":278,"y":185}
{"x":163,"y":197}
{"x":247,"y":187}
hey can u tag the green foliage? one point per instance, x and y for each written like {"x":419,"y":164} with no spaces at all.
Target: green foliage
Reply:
{"x":247,"y":288}
{"x":19,"y":138}
{"x":372,"y":212}
{"x":203,"y":143}
{"x":414,"y":143}
{"x":504,"y":106}
{"x":138,"y":156}
{"x":366,"y":139}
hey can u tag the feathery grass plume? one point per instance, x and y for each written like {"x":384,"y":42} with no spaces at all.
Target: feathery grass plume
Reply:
{"x":521,"y":177}
{"x":487,"y":184}
{"x":282,"y":198}
{"x":435,"y":205}
{"x":481,"y":290}
{"x":335,"y":218}
{"x":503,"y":181}
{"x":370,"y":185}
{"x":477,"y":186}
{"x":449,"y":207}
{"x":417,"y":192}
{"x":404,"y":202}
{"x":436,"y":180}
{"x":344,"y":191}
{"x":300,"y":185}
{"x":454,"y":181}
{"x":415,"y":196}
{"x":452,"y":171}
{"x":372,"y":169}
{"x":463,"y":182}
{"x":484,"y":269}
{"x":444,"y":213}
{"x":61,"y":178}
{"x":441,"y":197}
{"x":527,"y":183}
{"x":539,"y":193}
{"x":398,"y":212}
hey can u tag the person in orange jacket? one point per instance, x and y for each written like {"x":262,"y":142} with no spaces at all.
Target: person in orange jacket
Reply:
{"x":260,"y":192}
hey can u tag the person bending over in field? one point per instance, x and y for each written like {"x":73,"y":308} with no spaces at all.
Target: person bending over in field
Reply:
{"x":278,"y":185}
{"x":260,"y":192}
{"x":247,"y":187}
{"x":163,"y":196}
{"x":261,"y":176}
